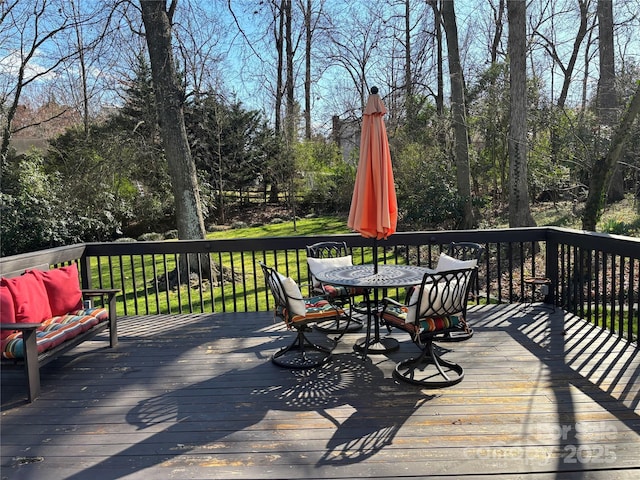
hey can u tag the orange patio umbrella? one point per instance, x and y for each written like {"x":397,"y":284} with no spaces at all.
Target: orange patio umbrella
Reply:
{"x":374,"y":207}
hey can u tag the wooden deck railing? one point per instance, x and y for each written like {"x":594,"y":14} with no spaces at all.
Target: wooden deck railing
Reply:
{"x":595,"y":276}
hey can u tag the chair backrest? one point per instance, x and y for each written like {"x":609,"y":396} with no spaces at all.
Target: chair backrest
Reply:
{"x":466,"y":251}
{"x":441,"y":294}
{"x":327,"y":250}
{"x":274,"y":282}
{"x":286,"y":293}
{"x":325,"y":255}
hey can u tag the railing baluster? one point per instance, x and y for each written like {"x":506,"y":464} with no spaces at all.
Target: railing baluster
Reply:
{"x":598,"y":296}
{"x":620,"y":295}
{"x":633,"y":301}
{"x":211,"y":281}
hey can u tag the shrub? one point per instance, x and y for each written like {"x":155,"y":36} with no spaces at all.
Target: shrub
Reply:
{"x":151,"y":237}
{"x":38,"y":212}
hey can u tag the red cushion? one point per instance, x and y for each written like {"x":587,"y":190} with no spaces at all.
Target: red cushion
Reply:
{"x":29,"y":298}
{"x":7,"y":310}
{"x":63,"y":288}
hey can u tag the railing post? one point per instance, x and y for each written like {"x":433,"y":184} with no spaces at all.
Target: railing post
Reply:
{"x":85,"y":271}
{"x":551,"y":267}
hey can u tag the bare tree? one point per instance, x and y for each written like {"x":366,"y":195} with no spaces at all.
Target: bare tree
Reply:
{"x":606,"y":98}
{"x":519,"y":209}
{"x":498,"y":20}
{"x":289,"y":86}
{"x":157,"y":19}
{"x":198,"y":38}
{"x":550,"y":44}
{"x":27,"y":27}
{"x":439,"y":57}
{"x":312,"y":18}
{"x":603,"y":168}
{"x":461,"y":134}
{"x":354,"y":35}
{"x":92,"y":36}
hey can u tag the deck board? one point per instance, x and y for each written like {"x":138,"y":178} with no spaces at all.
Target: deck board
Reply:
{"x":196,"y":396}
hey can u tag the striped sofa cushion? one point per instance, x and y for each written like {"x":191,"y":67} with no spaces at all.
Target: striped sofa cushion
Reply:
{"x":54,"y":331}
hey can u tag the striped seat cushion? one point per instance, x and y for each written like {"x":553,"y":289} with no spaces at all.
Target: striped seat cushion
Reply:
{"x":336,"y":291}
{"x":317,"y":309}
{"x":54,"y":331}
{"x":396,"y":315}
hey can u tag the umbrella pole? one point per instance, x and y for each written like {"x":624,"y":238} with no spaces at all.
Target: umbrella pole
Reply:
{"x":375,"y":255}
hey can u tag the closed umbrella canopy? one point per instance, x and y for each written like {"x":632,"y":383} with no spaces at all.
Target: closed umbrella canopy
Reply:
{"x":374,"y":207}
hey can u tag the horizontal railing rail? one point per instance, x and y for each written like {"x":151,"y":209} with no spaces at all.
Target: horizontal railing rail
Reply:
{"x":595,"y":276}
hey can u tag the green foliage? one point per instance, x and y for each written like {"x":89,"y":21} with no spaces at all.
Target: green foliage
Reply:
{"x":229,"y":144}
{"x":426,"y":197}
{"x":104,"y":178}
{"x":619,"y":227}
{"x":39,"y":212}
{"x":121,"y":162}
{"x":614,"y":226}
{"x":488,"y":119}
{"x":325,"y":182}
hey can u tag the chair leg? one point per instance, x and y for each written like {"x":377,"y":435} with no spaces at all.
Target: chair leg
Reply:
{"x":429,"y":369}
{"x":302,"y":353}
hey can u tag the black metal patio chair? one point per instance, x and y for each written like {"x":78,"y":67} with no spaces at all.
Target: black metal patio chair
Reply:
{"x":324,"y":255}
{"x":438,"y":305}
{"x":298,"y":313}
{"x":465,"y":252}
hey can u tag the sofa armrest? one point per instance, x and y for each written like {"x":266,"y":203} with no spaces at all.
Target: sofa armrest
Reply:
{"x":100,"y":292}
{"x":30,"y":355}
{"x":110,"y":293}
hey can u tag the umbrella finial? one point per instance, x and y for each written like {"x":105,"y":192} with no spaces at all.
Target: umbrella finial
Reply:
{"x":374,"y":90}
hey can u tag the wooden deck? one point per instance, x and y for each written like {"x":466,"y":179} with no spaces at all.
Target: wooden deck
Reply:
{"x":196,"y":396}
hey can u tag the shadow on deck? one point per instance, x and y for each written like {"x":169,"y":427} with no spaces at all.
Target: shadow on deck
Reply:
{"x":196,"y":396}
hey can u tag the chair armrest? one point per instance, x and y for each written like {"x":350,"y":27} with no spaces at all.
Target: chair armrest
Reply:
{"x":387,"y":300}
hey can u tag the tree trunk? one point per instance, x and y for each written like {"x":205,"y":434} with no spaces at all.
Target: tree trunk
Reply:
{"x":439,"y":62}
{"x":278,"y":35}
{"x":290,"y":100}
{"x":409,"y":102}
{"x":498,"y":15}
{"x":519,"y":209}
{"x":463,"y":177}
{"x":307,"y":71}
{"x":169,"y":101}
{"x":603,"y":167}
{"x":606,"y":100}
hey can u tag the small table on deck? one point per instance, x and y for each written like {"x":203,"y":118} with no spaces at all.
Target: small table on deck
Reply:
{"x":545,"y":284}
{"x":364,"y":276}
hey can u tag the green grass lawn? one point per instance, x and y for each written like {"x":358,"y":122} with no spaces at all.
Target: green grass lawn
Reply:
{"x":303,"y":227}
{"x":134,"y":274}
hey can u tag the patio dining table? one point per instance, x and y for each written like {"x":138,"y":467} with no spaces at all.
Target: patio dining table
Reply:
{"x":365,"y":277}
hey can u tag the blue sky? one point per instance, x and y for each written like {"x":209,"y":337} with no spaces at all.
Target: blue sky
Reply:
{"x":241,"y":65}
